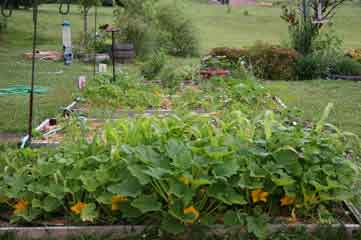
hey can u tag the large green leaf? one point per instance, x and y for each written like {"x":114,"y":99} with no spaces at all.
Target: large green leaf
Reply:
{"x":147,"y":203}
{"x":137,"y":170}
{"x":226,"y":194}
{"x":181,"y":190}
{"x":179,"y":153}
{"x":226,"y":168}
{"x":233,"y":218}
{"x":129,"y":188}
{"x":90,"y":182}
{"x":289,"y":159}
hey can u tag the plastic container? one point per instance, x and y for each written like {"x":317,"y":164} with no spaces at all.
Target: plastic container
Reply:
{"x":68,"y":53}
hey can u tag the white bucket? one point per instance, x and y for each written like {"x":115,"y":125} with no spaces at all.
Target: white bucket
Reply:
{"x":102,"y":68}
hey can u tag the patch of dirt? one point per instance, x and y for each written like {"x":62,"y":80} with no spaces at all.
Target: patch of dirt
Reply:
{"x":10,"y":137}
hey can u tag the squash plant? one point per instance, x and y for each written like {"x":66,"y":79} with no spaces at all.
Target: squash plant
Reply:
{"x":178,"y":171}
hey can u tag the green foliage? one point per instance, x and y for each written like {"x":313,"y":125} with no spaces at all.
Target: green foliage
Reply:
{"x":134,"y":20}
{"x":184,"y":170}
{"x":154,"y":65}
{"x":179,"y":35}
{"x":171,"y":76}
{"x":127,"y":92}
{"x":346,"y":66}
{"x":313,"y":66}
{"x":150,"y":26}
{"x":303,"y":28}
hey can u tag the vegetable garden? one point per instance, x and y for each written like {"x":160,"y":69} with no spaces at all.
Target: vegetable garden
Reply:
{"x":194,"y":151}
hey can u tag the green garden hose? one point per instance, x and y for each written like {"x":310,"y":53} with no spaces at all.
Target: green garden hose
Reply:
{"x":21,"y":90}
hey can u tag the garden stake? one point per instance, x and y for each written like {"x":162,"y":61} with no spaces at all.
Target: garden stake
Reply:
{"x":31,"y":102}
{"x":113,"y":57}
{"x":95,"y":39}
{"x":113,"y":31}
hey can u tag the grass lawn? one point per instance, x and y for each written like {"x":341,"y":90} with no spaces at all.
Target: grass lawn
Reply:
{"x":216,"y":28}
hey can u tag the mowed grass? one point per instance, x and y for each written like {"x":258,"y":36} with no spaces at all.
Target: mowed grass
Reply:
{"x":58,"y":78}
{"x":215,"y":26}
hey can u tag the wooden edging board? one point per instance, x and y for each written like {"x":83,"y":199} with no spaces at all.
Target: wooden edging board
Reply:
{"x":60,"y":232}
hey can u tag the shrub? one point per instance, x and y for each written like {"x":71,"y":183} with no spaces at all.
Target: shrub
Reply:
{"x":313,"y":66}
{"x":264,"y":60}
{"x":154,"y":65}
{"x":273,"y":62}
{"x":141,"y":34}
{"x":179,"y":34}
{"x":149,"y":26}
{"x":233,"y":55}
{"x":346,"y":66}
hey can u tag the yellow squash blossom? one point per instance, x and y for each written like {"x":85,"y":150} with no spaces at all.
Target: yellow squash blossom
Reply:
{"x":193,"y":211}
{"x":184,"y":180}
{"x":78,"y":207}
{"x":286,"y":200}
{"x":116,"y":200}
{"x":259,"y":195}
{"x":20,"y":206}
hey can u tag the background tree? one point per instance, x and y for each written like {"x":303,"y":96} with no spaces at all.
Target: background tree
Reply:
{"x":306,"y":18}
{"x":86,"y":5}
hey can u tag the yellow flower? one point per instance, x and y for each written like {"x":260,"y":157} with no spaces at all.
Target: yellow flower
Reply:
{"x":20,"y":206}
{"x":286,"y":200}
{"x":259,"y":195}
{"x":184,"y":180}
{"x":157,"y":94}
{"x":78,"y":207}
{"x":116,"y":200}
{"x":193,"y":211}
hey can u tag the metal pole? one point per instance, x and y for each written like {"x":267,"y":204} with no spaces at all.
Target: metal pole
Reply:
{"x":95,"y":39}
{"x":31,"y":102}
{"x":113,"y":57}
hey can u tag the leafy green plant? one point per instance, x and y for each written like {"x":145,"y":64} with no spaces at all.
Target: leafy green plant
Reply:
{"x":154,"y":65}
{"x":179,"y":171}
{"x":128,"y":92}
{"x":179,"y":36}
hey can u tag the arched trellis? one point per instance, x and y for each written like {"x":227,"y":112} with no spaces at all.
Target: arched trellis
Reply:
{"x":6,"y":11}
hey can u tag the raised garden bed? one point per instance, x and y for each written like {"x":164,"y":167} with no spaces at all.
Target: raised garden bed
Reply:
{"x":61,"y":232}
